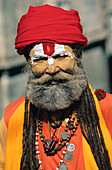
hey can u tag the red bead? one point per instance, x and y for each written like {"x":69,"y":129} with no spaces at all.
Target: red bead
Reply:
{"x":55,"y":139}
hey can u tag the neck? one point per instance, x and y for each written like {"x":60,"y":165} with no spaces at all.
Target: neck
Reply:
{"x":59,"y":115}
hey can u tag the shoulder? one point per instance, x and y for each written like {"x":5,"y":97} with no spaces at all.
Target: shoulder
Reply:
{"x":106,"y":103}
{"x":106,"y":109}
{"x":11,"y":108}
{"x":104,"y":98}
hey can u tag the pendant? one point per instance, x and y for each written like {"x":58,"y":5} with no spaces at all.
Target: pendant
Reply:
{"x":55,"y":139}
{"x":63,"y":166}
{"x":56,"y":124}
{"x":64,"y":135}
{"x":68,"y":156}
{"x":49,"y":145}
{"x":53,"y":125}
{"x":71,"y":147}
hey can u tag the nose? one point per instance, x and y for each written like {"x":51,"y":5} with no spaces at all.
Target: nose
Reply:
{"x":52,"y":69}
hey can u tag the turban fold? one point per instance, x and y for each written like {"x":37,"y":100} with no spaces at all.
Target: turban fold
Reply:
{"x":49,"y":24}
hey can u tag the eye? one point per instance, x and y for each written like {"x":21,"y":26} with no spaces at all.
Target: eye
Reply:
{"x":60,"y":57}
{"x":39,"y":59}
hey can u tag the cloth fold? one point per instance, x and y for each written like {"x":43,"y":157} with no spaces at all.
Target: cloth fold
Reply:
{"x":49,"y":24}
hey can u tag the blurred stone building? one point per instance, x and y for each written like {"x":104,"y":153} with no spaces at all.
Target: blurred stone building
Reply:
{"x":96,"y":18}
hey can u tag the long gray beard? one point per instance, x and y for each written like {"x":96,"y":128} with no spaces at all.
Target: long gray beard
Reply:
{"x":56,"y":97}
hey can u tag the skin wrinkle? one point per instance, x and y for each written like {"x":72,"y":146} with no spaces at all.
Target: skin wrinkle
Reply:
{"x":58,"y":96}
{"x":60,"y":63}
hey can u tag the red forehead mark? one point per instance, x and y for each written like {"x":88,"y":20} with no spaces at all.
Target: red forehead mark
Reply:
{"x":48,"y":48}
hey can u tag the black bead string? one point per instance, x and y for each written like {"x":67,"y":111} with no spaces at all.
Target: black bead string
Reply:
{"x":69,"y":127}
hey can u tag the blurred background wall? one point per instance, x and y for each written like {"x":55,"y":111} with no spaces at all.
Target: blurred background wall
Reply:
{"x":96,"y":18}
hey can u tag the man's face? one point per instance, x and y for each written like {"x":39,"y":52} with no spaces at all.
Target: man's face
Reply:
{"x":51,"y":59}
{"x":55,"y":80}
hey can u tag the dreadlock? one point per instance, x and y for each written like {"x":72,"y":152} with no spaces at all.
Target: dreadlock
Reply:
{"x":28,"y":160}
{"x":89,"y":123}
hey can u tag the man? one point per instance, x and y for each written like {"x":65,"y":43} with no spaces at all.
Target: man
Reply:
{"x":59,"y":124}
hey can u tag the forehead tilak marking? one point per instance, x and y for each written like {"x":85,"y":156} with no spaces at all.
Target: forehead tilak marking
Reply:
{"x":48,"y":48}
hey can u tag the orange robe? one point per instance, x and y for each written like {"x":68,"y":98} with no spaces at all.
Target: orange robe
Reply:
{"x":82,"y":155}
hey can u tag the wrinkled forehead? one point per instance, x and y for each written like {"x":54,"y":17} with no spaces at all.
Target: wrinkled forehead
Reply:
{"x":52,"y":49}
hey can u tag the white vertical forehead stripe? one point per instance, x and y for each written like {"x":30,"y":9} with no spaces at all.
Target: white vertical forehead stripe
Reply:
{"x":59,"y":50}
{"x":39,"y":52}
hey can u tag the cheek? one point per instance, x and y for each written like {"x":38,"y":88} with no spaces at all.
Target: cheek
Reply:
{"x":39,"y":68}
{"x":66,"y":64}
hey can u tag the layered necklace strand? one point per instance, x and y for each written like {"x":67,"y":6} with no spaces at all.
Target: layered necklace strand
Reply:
{"x":50,"y":144}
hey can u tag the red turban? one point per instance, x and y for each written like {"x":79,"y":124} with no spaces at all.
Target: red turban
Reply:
{"x":49,"y":24}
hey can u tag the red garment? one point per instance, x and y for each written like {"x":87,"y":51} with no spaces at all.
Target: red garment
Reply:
{"x":49,"y":24}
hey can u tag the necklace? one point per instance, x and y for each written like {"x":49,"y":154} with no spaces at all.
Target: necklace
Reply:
{"x":53,"y":136}
{"x":37,"y":147}
{"x":49,"y":145}
{"x":64,"y":141}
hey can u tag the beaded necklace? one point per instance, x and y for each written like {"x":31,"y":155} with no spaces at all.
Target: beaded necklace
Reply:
{"x":50,"y":144}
